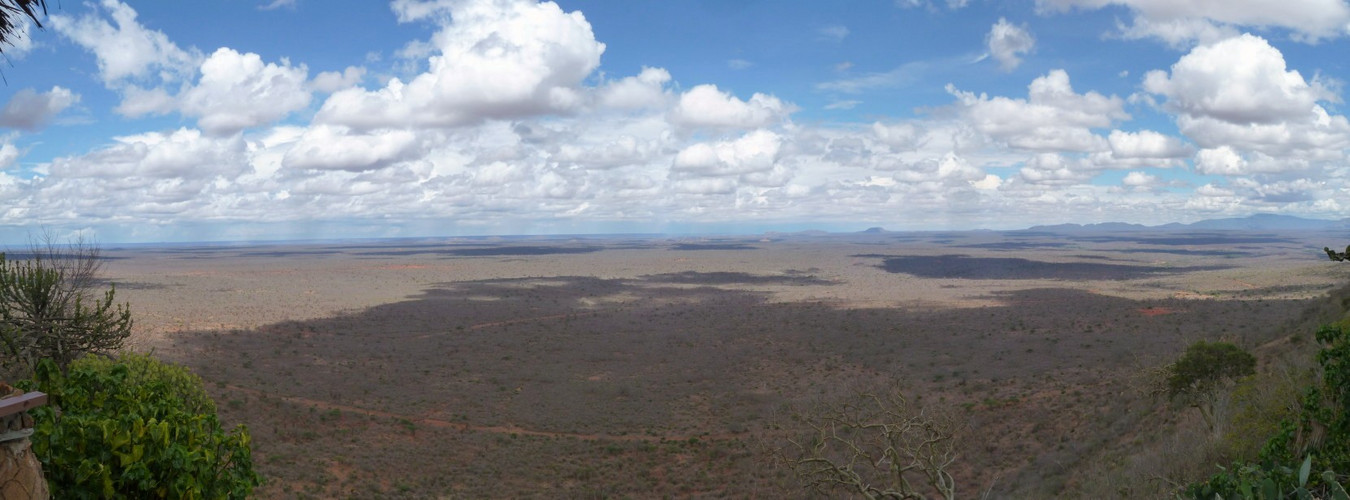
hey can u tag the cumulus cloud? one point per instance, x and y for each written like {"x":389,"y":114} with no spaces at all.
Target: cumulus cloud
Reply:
{"x":325,"y":147}
{"x":333,"y":81}
{"x":31,"y":110}
{"x":1146,"y":144}
{"x":1208,"y":20}
{"x":1008,"y":43}
{"x":645,"y":90}
{"x":8,"y":155}
{"x":1237,"y":99}
{"x":754,"y":152}
{"x":494,"y":60}
{"x":126,"y":50}
{"x":1140,"y":180}
{"x":1056,"y":169}
{"x":1052,"y":118}
{"x":1240,"y":80}
{"x":237,"y":91}
{"x":182,"y":154}
{"x":706,"y":106}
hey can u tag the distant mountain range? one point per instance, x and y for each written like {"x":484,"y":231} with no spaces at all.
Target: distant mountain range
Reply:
{"x":1258,"y":222}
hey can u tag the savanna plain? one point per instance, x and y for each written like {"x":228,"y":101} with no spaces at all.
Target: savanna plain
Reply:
{"x":649,"y":367}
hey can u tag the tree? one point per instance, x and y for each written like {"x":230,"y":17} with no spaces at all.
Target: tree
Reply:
{"x":1338,"y":256}
{"x":875,"y":446}
{"x":1202,"y":371}
{"x":48,"y":307}
{"x":12,"y":13}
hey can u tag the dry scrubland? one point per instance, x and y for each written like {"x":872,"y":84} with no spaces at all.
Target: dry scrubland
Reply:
{"x":656,"y":367}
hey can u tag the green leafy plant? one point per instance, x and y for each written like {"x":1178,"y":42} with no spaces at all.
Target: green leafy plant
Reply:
{"x":1320,"y":433}
{"x":135,"y":427}
{"x":1204,"y":369}
{"x":48,"y":309}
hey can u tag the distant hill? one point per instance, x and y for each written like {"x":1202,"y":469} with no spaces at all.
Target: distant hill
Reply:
{"x":1258,"y":222}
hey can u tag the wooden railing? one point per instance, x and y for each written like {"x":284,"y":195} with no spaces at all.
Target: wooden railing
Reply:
{"x":22,"y":403}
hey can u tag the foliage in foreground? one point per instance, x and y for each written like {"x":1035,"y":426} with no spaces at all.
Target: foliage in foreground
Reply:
{"x":1318,"y":437}
{"x":48,"y":309}
{"x":135,"y":428}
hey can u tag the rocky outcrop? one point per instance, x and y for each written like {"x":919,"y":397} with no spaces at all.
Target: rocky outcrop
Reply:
{"x":20,"y":472}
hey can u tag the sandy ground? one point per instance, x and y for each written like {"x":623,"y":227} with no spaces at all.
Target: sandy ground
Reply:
{"x":173,"y":290}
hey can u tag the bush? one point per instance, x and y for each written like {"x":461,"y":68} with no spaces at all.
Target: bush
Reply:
{"x":135,"y":427}
{"x":49,"y":309}
{"x":1205,"y":369}
{"x":1318,"y":436}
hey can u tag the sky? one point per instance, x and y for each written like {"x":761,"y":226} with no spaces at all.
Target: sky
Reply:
{"x":247,"y":120}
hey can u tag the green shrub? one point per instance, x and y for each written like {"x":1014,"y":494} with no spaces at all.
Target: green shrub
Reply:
{"x":135,"y":428}
{"x":1318,"y":436}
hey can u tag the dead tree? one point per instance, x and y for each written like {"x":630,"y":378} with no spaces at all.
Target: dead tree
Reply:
{"x":874,"y":446}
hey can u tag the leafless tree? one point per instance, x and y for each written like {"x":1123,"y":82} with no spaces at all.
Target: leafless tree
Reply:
{"x":877,"y":446}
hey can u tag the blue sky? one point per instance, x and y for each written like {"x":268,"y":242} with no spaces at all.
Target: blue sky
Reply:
{"x":254,"y":120}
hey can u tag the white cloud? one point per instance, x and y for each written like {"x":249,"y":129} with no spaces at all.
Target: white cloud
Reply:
{"x":1056,"y":169}
{"x":137,"y":101}
{"x":1209,"y":20}
{"x":1146,"y":144}
{"x":325,"y":147}
{"x":495,"y":60}
{"x":127,"y":50}
{"x":835,"y":32}
{"x":739,"y":64}
{"x":1221,"y":160}
{"x":1239,"y":80}
{"x":333,"y":81}
{"x":706,"y":106}
{"x":238,"y":91}
{"x":181,"y":154}
{"x":30,"y":110}
{"x":1238,"y":100}
{"x":8,"y":155}
{"x":905,"y":74}
{"x":646,"y":90}
{"x":417,"y":10}
{"x":754,"y":152}
{"x":1008,"y":43}
{"x":1052,"y":118}
{"x":277,"y":4}
{"x":1140,"y":180}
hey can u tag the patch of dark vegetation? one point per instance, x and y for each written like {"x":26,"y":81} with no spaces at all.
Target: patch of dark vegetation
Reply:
{"x":1009,"y":268}
{"x":1016,"y":245}
{"x":132,"y":285}
{"x":1090,"y":256}
{"x":490,"y":251}
{"x":713,"y":246}
{"x":26,"y":255}
{"x":736,"y":278}
{"x":1190,"y":239}
{"x":290,"y":253}
{"x":1184,"y":251}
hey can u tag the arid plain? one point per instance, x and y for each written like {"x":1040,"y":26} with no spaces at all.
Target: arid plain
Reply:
{"x":633,"y":366}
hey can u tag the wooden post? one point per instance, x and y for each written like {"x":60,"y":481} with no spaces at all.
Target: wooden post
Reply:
{"x":25,"y":402}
